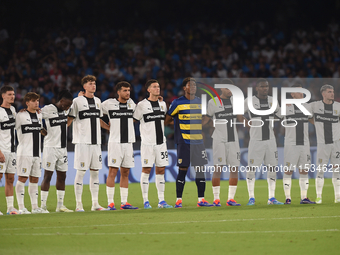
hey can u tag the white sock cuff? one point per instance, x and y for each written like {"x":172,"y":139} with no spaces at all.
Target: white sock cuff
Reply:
{"x":94,"y":174}
{"x":60,"y":192}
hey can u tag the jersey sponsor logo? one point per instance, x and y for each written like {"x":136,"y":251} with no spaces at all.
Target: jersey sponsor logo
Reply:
{"x":323,"y":118}
{"x":224,"y":115}
{"x":92,"y":113}
{"x":116,"y":114}
{"x":32,"y":128}
{"x":8,"y":124}
{"x":153,"y":117}
{"x":58,"y":121}
{"x":92,"y":105}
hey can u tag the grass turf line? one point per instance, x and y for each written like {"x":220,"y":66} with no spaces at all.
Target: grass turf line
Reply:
{"x":259,"y":229}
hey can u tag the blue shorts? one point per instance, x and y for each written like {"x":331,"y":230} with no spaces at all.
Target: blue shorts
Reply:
{"x":191,"y":153}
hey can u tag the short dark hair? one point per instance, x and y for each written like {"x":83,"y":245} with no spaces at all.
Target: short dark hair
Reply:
{"x":87,"y":78}
{"x":121,"y":84}
{"x":149,"y":82}
{"x":186,"y":80}
{"x":65,"y":94}
{"x":31,"y":96}
{"x":297,"y":85}
{"x":6,"y":88}
{"x":260,"y":80}
{"x":225,"y":81}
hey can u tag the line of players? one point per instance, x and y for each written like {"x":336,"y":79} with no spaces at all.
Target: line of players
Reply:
{"x":86,"y":113}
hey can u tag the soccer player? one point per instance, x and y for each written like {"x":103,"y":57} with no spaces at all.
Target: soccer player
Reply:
{"x":326,"y":114}
{"x":296,"y":149}
{"x":7,"y":144}
{"x":187,"y":115}
{"x":226,"y":148}
{"x":55,"y":151}
{"x":151,"y":114}
{"x":85,"y":113}
{"x":122,"y":136}
{"x":262,"y":144}
{"x":29,"y":126}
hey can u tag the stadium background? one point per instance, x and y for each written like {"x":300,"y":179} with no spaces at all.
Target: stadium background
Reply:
{"x":46,"y":46}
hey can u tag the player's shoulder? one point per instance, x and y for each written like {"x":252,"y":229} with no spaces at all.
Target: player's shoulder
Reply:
{"x":12,"y":108}
{"x":109,"y":101}
{"x":49,"y":107}
{"x":97,"y":100}
{"x":143,"y":102}
{"x":130,"y":101}
{"x":337,"y":104}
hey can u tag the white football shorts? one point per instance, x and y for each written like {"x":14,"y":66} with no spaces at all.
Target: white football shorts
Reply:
{"x":120,"y":155}
{"x":154,"y":154}
{"x":29,"y":166}
{"x":262,"y":151}
{"x":87,"y":156}
{"x":55,"y":158}
{"x":10,"y":164}
{"x":226,"y":153}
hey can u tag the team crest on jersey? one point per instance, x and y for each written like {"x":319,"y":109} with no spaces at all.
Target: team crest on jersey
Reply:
{"x":97,"y":105}
{"x":219,"y":159}
{"x":82,"y":164}
{"x":251,"y":161}
{"x":1,"y":167}
{"x":114,"y":161}
{"x":336,"y":111}
{"x":288,"y":164}
{"x":179,"y":161}
{"x":320,"y":160}
{"x":146,"y":161}
{"x":48,"y":164}
{"x":24,"y":170}
{"x":129,"y":105}
{"x":162,"y":108}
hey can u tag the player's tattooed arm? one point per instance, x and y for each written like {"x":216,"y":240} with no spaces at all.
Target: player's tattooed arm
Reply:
{"x":2,"y":157}
{"x":241,"y":118}
{"x":43,"y":131}
{"x":69,"y":120}
{"x":168,"y":120}
{"x":104,"y":125}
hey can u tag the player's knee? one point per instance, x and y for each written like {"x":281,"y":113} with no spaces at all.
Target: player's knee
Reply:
{"x":113,"y":172}
{"x":10,"y":178}
{"x":61,"y":176}
{"x":34,"y":179}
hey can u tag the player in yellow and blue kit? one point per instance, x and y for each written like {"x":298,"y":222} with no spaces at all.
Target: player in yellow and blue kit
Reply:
{"x":187,"y":115}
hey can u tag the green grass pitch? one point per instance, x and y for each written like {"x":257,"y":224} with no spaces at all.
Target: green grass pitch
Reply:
{"x":260,"y":229}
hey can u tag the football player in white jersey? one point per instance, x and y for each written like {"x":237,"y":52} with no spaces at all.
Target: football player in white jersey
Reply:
{"x":122,"y":136}
{"x":151,"y":114}
{"x":85,"y":113}
{"x":326,"y":113}
{"x":55,"y":148}
{"x":7,"y":144}
{"x":226,"y":148}
{"x":29,"y":126}
{"x":262,"y":144}
{"x":296,"y":149}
